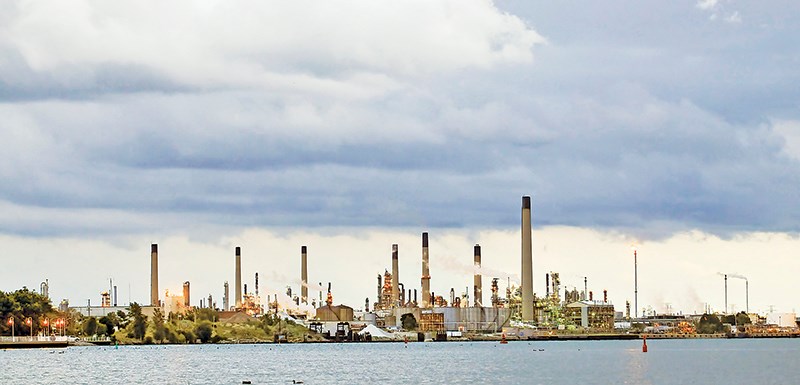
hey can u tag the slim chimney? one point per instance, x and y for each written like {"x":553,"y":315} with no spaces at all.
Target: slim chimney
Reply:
{"x":304,"y":275}
{"x":238,"y":288}
{"x":478,"y":289}
{"x":154,"y":275}
{"x":256,"y":284}
{"x":186,"y":294}
{"x":115,"y":295}
{"x":226,"y":298}
{"x":726,"y":294}
{"x":380,"y":286}
{"x":426,"y":274}
{"x":395,"y":278}
{"x":527,"y":261}
{"x":547,"y":284}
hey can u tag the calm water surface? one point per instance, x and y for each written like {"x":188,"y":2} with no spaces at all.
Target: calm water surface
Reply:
{"x":774,"y":361}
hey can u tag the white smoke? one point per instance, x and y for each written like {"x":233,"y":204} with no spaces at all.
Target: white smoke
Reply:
{"x":733,"y":275}
{"x":452,"y":264}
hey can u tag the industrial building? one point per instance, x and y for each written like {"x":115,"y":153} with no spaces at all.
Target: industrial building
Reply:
{"x":590,"y":314}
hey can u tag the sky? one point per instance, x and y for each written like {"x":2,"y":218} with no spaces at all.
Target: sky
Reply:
{"x":351,"y":126}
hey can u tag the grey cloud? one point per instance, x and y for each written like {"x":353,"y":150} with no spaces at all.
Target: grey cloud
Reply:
{"x":646,"y":118}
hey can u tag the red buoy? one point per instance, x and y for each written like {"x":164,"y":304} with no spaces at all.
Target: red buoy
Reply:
{"x":644,"y":344}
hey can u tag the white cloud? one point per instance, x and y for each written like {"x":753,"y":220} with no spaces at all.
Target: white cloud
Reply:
{"x":789,"y":131}
{"x":706,"y":4}
{"x":734,"y":17}
{"x":267,"y":44}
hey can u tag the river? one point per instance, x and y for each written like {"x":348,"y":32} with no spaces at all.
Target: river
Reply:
{"x":695,"y":361}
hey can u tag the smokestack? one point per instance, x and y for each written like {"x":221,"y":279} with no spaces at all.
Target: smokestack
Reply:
{"x":527,"y":261}
{"x":380,"y":286}
{"x":726,"y":293}
{"x":426,"y":274}
{"x":395,"y":278}
{"x":245,"y":289}
{"x":154,"y":275}
{"x":238,"y":289}
{"x":547,"y":284}
{"x":585,"y":288}
{"x":304,"y":274}
{"x":746,"y":297}
{"x":226,"y":299}
{"x":210,"y":302}
{"x":115,"y":295}
{"x":186,"y":294}
{"x":256,"y":284}
{"x":605,"y":296}
{"x":478,"y":288}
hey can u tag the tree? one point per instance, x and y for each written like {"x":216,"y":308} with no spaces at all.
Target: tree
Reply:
{"x":408,"y":321}
{"x":205,"y":314}
{"x":159,"y":330}
{"x":139,"y":321}
{"x":709,"y":324}
{"x":90,"y":326}
{"x":110,"y":322}
{"x":203,"y":330}
{"x":743,"y":319}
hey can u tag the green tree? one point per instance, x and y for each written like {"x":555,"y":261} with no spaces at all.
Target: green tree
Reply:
{"x":139,"y":321}
{"x":408,"y":321}
{"x":203,"y":330}
{"x":189,"y":336}
{"x":159,"y":330}
{"x":709,"y":324}
{"x":110,"y":321}
{"x":206,"y":314}
{"x":90,"y":326}
{"x":742,"y":319}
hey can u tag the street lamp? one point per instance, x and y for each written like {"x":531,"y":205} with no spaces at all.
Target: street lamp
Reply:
{"x":29,"y":322}
{"x":11,"y":322}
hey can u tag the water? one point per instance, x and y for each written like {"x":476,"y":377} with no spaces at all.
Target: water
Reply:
{"x":699,"y":361}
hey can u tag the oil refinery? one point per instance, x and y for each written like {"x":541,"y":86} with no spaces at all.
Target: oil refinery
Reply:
{"x":399,"y":306}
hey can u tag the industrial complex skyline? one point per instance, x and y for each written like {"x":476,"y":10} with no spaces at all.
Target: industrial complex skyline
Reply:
{"x":350,"y":128}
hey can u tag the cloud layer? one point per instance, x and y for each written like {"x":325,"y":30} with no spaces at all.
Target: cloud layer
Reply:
{"x":429,"y":113}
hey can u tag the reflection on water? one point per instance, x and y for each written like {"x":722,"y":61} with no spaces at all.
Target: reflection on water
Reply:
{"x":569,"y":362}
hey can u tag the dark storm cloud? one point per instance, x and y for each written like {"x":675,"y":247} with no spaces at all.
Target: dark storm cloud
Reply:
{"x":651,"y":118}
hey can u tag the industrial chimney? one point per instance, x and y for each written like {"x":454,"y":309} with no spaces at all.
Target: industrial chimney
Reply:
{"x":478,"y":290}
{"x":726,"y":294}
{"x":304,"y":275}
{"x":186,"y":294}
{"x":154,"y":275}
{"x":395,"y":278}
{"x":426,"y":274}
{"x":527,"y":261}
{"x":238,"y":288}
{"x":226,"y":298}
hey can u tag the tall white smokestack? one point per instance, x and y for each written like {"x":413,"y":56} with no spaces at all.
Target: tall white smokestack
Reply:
{"x":395,"y":278}
{"x":527,"y":261}
{"x":304,"y":274}
{"x":426,"y":274}
{"x":154,"y":275}
{"x":238,"y":288}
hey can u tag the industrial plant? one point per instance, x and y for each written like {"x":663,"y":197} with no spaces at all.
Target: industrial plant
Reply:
{"x":399,"y":307}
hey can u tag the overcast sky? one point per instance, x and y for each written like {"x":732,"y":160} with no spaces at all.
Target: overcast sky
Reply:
{"x":201,"y":125}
